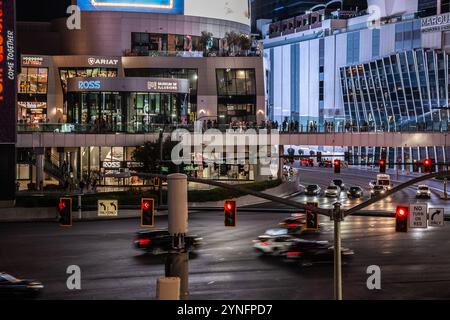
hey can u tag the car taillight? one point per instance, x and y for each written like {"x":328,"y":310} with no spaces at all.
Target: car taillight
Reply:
{"x":144,"y":242}
{"x":292,"y":225}
{"x":264,"y":243}
{"x":294,"y":253}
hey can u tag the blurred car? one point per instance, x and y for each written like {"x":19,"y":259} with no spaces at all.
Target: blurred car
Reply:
{"x":355,"y":192}
{"x":377,"y":191}
{"x":160,"y":241}
{"x":326,"y":164}
{"x":332,"y":191}
{"x":313,"y":190}
{"x":313,"y":251}
{"x":10,"y":285}
{"x":294,"y":224}
{"x":339,"y":183}
{"x":307,"y":162}
{"x":423,"y":191}
{"x":273,"y":244}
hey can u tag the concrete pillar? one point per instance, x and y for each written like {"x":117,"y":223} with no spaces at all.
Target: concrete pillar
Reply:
{"x":168,"y":289}
{"x":177,"y":202}
{"x":281,"y":163}
{"x":439,"y":7}
{"x":39,"y":172}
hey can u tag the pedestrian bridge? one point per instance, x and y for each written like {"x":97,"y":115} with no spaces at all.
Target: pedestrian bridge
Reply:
{"x":337,"y":139}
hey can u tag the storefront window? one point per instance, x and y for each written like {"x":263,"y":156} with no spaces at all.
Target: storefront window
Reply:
{"x":32,"y":95}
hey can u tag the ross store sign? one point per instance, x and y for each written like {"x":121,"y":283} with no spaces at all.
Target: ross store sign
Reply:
{"x":115,"y":165}
{"x":89,"y":84}
{"x":103,"y":61}
{"x":8,"y":85}
{"x":32,"y":61}
{"x":436,"y":23}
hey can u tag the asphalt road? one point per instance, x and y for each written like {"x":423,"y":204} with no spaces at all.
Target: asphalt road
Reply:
{"x":414,"y":265}
{"x":323,"y":177}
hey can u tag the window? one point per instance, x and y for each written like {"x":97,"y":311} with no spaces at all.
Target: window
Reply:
{"x":353,"y":47}
{"x":33,"y":80}
{"x":236,"y":82}
{"x":375,"y":43}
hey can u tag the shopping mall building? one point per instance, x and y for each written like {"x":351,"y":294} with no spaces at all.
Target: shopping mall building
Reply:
{"x":88,"y":97}
{"x":386,"y":68}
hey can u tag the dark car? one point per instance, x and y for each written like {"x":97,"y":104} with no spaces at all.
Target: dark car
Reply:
{"x":314,"y":251}
{"x":355,"y":192}
{"x":326,"y":164}
{"x":160,"y":241}
{"x":313,"y":190}
{"x":339,"y":183}
{"x":11,"y":286}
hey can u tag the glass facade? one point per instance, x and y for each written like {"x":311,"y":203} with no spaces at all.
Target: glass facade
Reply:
{"x":407,"y":91}
{"x":189,"y":74}
{"x":126,"y":111}
{"x":32,"y":95}
{"x":236,"y":90}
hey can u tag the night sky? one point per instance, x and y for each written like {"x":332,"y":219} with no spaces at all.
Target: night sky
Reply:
{"x":41,"y":10}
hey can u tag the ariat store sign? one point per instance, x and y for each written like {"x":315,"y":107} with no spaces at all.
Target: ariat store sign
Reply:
{"x":103,"y":61}
{"x":436,"y":23}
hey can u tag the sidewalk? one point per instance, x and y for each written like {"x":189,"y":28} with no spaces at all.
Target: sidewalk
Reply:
{"x":284,"y":190}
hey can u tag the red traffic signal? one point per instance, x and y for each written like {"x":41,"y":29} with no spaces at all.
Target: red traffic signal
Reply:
{"x":337,"y":166}
{"x":230,"y":211}
{"x":382,"y":164}
{"x":65,"y":212}
{"x":401,"y":219}
{"x":147,"y":213}
{"x":428,"y":165}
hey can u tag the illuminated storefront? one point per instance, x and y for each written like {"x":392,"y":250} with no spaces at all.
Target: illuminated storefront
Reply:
{"x":127,"y":104}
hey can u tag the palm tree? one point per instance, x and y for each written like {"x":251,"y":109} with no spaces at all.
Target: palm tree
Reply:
{"x":232,"y":40}
{"x":206,"y":40}
{"x":245,"y":42}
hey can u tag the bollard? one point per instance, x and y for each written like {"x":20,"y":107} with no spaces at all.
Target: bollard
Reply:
{"x":168,"y":288}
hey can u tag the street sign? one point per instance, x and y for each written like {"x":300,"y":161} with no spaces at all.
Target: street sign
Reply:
{"x":108,"y":208}
{"x":418,"y":215}
{"x":436,"y":216}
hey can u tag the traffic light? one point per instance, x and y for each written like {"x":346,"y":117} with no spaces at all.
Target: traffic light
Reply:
{"x":65,"y":212}
{"x":319,"y":156}
{"x":337,"y":166}
{"x":230,"y":210}
{"x":427,"y":163}
{"x":382,"y":164}
{"x":147,"y":213}
{"x":312,"y":219}
{"x":401,"y":219}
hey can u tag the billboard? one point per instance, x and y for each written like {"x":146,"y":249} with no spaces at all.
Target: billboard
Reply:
{"x":231,"y":10}
{"x":158,"y":6}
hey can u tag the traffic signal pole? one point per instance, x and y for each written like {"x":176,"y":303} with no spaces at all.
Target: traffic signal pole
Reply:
{"x":337,"y":217}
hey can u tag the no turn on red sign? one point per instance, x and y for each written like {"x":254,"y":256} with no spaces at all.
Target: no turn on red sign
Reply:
{"x":418,"y":216}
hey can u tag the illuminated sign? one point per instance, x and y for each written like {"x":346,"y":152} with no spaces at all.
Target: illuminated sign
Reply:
{"x":32,"y":105}
{"x":162,"y":85}
{"x":7,"y":73}
{"x":436,"y":23}
{"x":89,"y":84}
{"x":103,"y":61}
{"x":32,"y":61}
{"x":159,"y":6}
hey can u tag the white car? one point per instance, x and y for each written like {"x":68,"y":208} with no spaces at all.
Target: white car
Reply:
{"x":423,"y":191}
{"x":333,"y":191}
{"x":275,"y":242}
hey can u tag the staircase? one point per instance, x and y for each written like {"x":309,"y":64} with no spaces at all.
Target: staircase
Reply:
{"x":52,"y":169}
